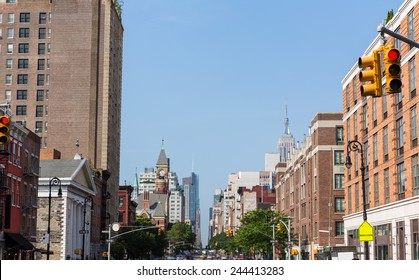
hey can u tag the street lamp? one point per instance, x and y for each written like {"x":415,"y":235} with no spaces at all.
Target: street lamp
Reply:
{"x":53,"y":182}
{"x":356,"y":146}
{"x":88,"y":198}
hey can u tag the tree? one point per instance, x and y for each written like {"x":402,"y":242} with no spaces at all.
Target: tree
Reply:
{"x":144,"y":244}
{"x":222,"y":242}
{"x":255,"y":233}
{"x":181,"y":233}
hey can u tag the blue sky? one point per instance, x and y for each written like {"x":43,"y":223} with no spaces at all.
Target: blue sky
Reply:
{"x":213,"y":78}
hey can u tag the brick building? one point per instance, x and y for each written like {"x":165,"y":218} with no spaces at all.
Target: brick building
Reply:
{"x":387,"y":128}
{"x":309,"y":186}
{"x":19,"y":172}
{"x":64,"y":84}
{"x":126,"y":206}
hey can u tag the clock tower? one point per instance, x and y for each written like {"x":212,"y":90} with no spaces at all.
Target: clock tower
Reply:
{"x":162,"y":172}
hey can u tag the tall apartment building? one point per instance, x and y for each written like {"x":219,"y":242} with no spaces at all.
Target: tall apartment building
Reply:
{"x":61,"y":71}
{"x":387,"y":128}
{"x":190,"y":187}
{"x":310,"y":186}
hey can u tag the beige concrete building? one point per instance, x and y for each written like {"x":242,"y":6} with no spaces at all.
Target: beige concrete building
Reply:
{"x":387,"y":128}
{"x":61,"y":71}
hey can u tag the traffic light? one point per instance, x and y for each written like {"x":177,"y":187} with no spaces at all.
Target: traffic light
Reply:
{"x":160,"y":231}
{"x":392,"y":69}
{"x":4,"y":130}
{"x":278,"y":227}
{"x":228,"y":233}
{"x":370,"y":76}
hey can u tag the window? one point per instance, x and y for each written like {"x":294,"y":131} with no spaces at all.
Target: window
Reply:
{"x":24,"y":48}
{"x":399,"y":136}
{"x":375,"y":149}
{"x":411,"y":26}
{"x":413,"y":127}
{"x":339,"y":180}
{"x":339,"y":157}
{"x":387,"y":185}
{"x":412,"y":77}
{"x":42,"y":18}
{"x":41,"y":64}
{"x":41,"y":33}
{"x":39,"y":95}
{"x":23,"y":32}
{"x":385,"y":143}
{"x":355,"y":124}
{"x":8,"y":80}
{"x":25,"y":17}
{"x":349,"y":200}
{"x":22,"y":95}
{"x":21,"y":110}
{"x":339,"y":204}
{"x":39,"y":111}
{"x":41,"y":48}
{"x":374,"y":111}
{"x":340,"y":230}
{"x":11,"y":18}
{"x":367,"y":194}
{"x":415,"y":239}
{"x":22,"y":79}
{"x":8,"y":95}
{"x":397,"y":42}
{"x":10,"y":33}
{"x":376,"y":191}
{"x":347,"y":97}
{"x":354,"y":89}
{"x":399,"y":100}
{"x":348,"y":129}
{"x":38,"y":127}
{"x":9,"y":48}
{"x":365,"y":118}
{"x":9,"y":63}
{"x":23,"y":64}
{"x":1,"y":18}
{"x":40,"y":80}
{"x":415,"y":174}
{"x":339,"y":135}
{"x":356,"y":197}
{"x":384,"y":104}
{"x":400,"y":178}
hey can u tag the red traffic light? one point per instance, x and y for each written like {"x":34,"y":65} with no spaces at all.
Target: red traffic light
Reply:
{"x":4,"y":120}
{"x":393,"y":54}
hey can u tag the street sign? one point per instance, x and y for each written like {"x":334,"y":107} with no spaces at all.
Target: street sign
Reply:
{"x":82,"y":231}
{"x":366,"y":232}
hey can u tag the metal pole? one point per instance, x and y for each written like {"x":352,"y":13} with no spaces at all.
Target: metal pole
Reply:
{"x":355,"y":145}
{"x":273,"y":242}
{"x":49,"y":219}
{"x":289,"y":239}
{"x":383,"y":29}
{"x":84,"y":228}
{"x":109,"y":242}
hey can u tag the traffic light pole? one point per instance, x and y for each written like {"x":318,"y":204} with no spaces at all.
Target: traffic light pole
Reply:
{"x":381,"y":28}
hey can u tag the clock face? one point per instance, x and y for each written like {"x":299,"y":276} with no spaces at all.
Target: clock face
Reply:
{"x":161,"y":172}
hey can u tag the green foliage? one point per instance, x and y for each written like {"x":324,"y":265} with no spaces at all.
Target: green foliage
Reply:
{"x":255,"y":233}
{"x":223,"y":242}
{"x":118,"y":6}
{"x":181,"y":233}
{"x":390,"y":15}
{"x":144,"y":244}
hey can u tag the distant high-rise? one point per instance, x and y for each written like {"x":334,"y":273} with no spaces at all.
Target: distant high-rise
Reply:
{"x":61,"y":63}
{"x":286,"y":142}
{"x":191,"y":193}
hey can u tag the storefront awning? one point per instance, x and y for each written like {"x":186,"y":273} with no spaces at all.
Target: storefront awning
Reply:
{"x":17,"y":240}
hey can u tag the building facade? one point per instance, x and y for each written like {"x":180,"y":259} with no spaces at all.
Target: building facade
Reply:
{"x":66,"y":85}
{"x":387,"y":129}
{"x":310,"y":187}
{"x":19,"y":173}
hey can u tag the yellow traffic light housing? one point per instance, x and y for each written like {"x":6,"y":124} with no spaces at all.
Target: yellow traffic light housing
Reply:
{"x":278,"y":227}
{"x":370,"y":76}
{"x":392,"y":69}
{"x":4,"y":130}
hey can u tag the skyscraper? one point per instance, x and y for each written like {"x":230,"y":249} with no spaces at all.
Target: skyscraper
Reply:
{"x":61,"y":64}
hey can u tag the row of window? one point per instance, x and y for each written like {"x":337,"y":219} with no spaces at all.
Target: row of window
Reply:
{"x":23,"y":63}
{"x":22,"y":79}
{"x":384,"y":141}
{"x":21,"y":110}
{"x":22,"y":94}
{"x":24,"y":48}
{"x":24,"y":17}
{"x":400,"y":185}
{"x":24,"y":32}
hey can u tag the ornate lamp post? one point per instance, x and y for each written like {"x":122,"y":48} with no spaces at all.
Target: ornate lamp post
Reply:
{"x":356,"y":146}
{"x":88,"y":198}
{"x":53,"y":182}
